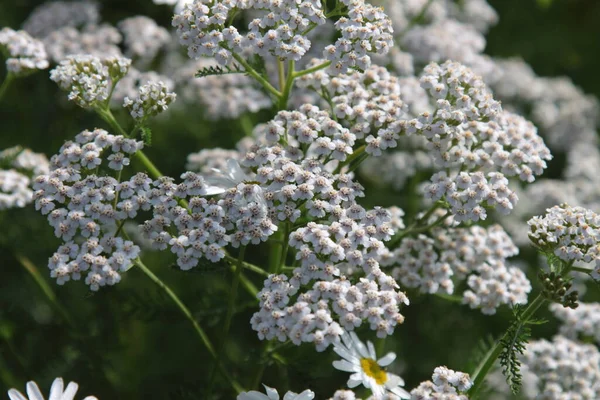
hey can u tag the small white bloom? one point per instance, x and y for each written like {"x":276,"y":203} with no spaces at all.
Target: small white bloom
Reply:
{"x":57,"y":392}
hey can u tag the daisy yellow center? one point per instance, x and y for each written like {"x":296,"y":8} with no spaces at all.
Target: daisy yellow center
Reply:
{"x":373,"y":370}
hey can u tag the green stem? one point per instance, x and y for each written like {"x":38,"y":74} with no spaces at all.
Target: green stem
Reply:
{"x":359,"y":151}
{"x":581,"y":269}
{"x":7,"y":81}
{"x":252,"y":72}
{"x":149,"y":165}
{"x":310,"y":70}
{"x":488,"y":362}
{"x":289,"y":83}
{"x":187,"y":313}
{"x":276,"y":251}
{"x":281,"y":74}
{"x":248,"y":266}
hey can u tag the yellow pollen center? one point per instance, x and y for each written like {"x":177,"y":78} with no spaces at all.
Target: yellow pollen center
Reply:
{"x":373,"y":370}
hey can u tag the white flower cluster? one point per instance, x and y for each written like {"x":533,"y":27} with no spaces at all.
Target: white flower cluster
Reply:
{"x":565,"y":115}
{"x":564,"y":369}
{"x":14,"y":189}
{"x":129,"y":85}
{"x":24,"y":53}
{"x":318,"y":315}
{"x":469,"y":132}
{"x":53,"y":15}
{"x":477,"y":13}
{"x":446,"y":384}
{"x":365,"y":102}
{"x":312,"y":129}
{"x":143,"y":38}
{"x":89,"y":79}
{"x":436,"y":264}
{"x":449,"y":39}
{"x":366,"y":29}
{"x":152,"y":99}
{"x":570,"y":233}
{"x":15,"y":182}
{"x":223,"y":96}
{"x":583,"y":320}
{"x":96,"y":40}
{"x":83,"y":205}
{"x":282,"y":31}
{"x":203,"y":27}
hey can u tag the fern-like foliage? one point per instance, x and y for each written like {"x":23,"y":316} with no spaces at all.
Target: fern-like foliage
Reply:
{"x":146,"y":135}
{"x":219,"y":70}
{"x":514,"y":343}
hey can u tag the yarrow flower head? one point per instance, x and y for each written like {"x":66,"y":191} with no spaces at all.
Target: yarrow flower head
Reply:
{"x":85,"y":208}
{"x":569,"y":233}
{"x":446,"y":384}
{"x":57,"y":392}
{"x":272,"y":394}
{"x":15,"y":181}
{"x":366,"y":369}
{"x":24,"y":54}
{"x":88,"y":79}
{"x":153,"y":98}
{"x":584,"y":321}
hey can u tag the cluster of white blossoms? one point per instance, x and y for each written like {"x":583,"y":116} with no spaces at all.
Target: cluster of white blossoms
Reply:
{"x":582,"y":321}
{"x":86,"y":209}
{"x":15,"y":182}
{"x":24,"y":54}
{"x":282,"y":30}
{"x":53,"y":15}
{"x":565,"y":114}
{"x":57,"y":392}
{"x":89,"y":79}
{"x":445,"y":384}
{"x":143,"y":38}
{"x":364,"y":102}
{"x":437,"y":263}
{"x":152,"y":99}
{"x":206,"y":161}
{"x":129,"y":85}
{"x":318,"y":315}
{"x":449,"y":39}
{"x":97,"y":40}
{"x":570,"y":233}
{"x":564,"y":369}
{"x":469,"y":135}
{"x":223,"y":96}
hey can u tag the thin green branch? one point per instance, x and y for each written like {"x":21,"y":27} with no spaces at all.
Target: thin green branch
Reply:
{"x":204,"y":339}
{"x":289,"y":83}
{"x":7,"y":81}
{"x":310,"y":70}
{"x":252,"y":72}
{"x":250,"y":267}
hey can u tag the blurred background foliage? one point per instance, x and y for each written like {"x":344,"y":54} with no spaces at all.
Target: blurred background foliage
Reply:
{"x":129,"y":341}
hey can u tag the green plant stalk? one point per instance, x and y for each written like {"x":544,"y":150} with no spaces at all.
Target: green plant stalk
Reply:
{"x":289,"y":83}
{"x":357,"y":153}
{"x":250,"y":267}
{"x":187,"y":313}
{"x":276,"y":251}
{"x":316,"y":68}
{"x":488,"y":362}
{"x":252,"y":72}
{"x":582,"y":270}
{"x":7,"y":81}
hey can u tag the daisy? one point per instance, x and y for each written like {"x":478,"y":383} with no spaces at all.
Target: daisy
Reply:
{"x":273,"y":395}
{"x":56,"y":392}
{"x":362,"y":361}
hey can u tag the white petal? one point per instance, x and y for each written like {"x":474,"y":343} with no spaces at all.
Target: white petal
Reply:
{"x":394,"y":380}
{"x":344,"y":365}
{"x":56,"y":390}
{"x":386,"y":360}
{"x":306,"y":395}
{"x":271,"y":393}
{"x":371,"y":349}
{"x":252,"y":395}
{"x":14,"y":394}
{"x":360,"y":346}
{"x":403,"y":394}
{"x":33,"y":391}
{"x":345,"y":353}
{"x":354,"y":380}
{"x":70,"y":391}
{"x":212,"y":190}
{"x":235,"y":171}
{"x":91,"y":398}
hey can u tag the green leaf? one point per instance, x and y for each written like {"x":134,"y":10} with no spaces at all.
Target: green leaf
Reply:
{"x":219,"y":70}
{"x":146,"y":135}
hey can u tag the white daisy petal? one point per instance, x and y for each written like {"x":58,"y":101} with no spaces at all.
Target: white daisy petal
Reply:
{"x":70,"y":391}
{"x":344,"y":365}
{"x":56,"y":390}
{"x":33,"y":391}
{"x":14,"y":394}
{"x":387,"y":359}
